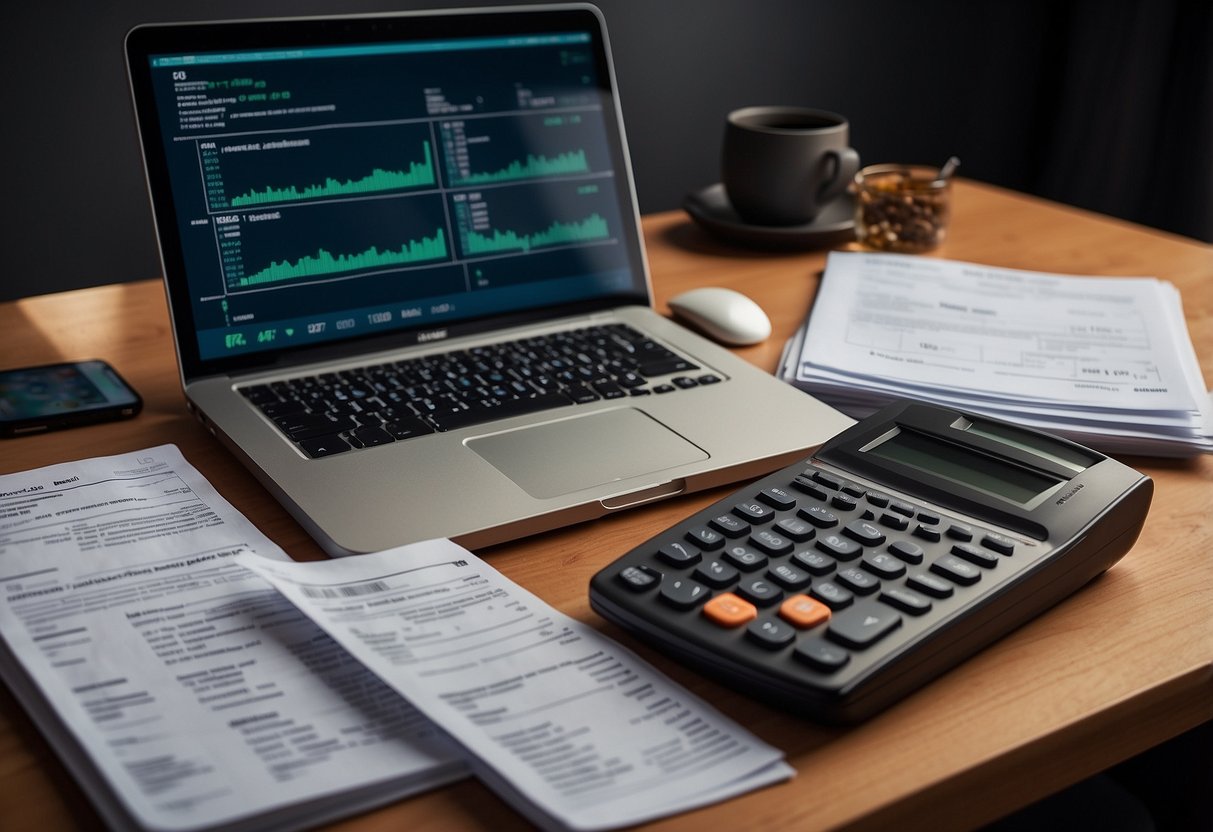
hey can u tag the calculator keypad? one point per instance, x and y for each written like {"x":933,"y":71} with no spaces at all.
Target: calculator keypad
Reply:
{"x":814,"y":572}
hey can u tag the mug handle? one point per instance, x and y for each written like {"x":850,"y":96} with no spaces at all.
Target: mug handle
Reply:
{"x":846,"y":164}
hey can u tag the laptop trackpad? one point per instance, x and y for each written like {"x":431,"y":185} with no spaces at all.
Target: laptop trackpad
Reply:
{"x":561,"y":457}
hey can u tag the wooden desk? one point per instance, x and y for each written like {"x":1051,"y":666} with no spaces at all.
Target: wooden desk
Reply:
{"x":1122,"y":666}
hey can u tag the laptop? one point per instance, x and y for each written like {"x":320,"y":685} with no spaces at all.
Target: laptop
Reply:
{"x":406,"y":278}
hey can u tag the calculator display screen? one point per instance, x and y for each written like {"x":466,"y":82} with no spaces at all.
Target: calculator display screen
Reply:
{"x":967,"y":467}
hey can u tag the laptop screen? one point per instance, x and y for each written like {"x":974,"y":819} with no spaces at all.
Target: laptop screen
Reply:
{"x":325,"y":182}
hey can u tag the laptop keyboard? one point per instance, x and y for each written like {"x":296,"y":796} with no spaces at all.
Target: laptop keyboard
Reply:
{"x":331,"y":413}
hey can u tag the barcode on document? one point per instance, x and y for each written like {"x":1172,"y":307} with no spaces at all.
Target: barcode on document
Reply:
{"x":344,"y":591}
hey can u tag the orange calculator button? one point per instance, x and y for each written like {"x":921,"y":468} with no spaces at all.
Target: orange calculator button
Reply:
{"x":803,"y":612}
{"x":728,"y":610}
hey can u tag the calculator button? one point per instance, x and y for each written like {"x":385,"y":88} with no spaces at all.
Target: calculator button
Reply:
{"x":819,"y":516}
{"x":883,"y":565}
{"x":957,"y":570}
{"x":788,"y":576}
{"x":862,"y":626}
{"x":864,"y":533}
{"x":716,"y":574}
{"x":760,"y":591}
{"x":706,"y":538}
{"x":959,"y":531}
{"x":1001,"y":545}
{"x":831,"y":594}
{"x":868,"y":514}
{"x":931,"y":533}
{"x":816,"y":562}
{"x":858,"y":581}
{"x":745,"y":559}
{"x":771,"y":543}
{"x":931,"y":585}
{"x":906,"y":601}
{"x":778,"y":498}
{"x":639,"y":578}
{"x":797,"y":529}
{"x":853,"y":489}
{"x":678,"y":554}
{"x":754,"y":512}
{"x":728,"y":610}
{"x":770,"y":634}
{"x":821,"y":655}
{"x":972,"y":554}
{"x":730,"y":526}
{"x":902,"y":508}
{"x":907,"y":551}
{"x":803,"y":483}
{"x":838,"y":547}
{"x":803,"y":612}
{"x":928,"y":518}
{"x":844,"y":503}
{"x":894,"y":521}
{"x":828,"y":480}
{"x":877,"y":499}
{"x":683,"y":593}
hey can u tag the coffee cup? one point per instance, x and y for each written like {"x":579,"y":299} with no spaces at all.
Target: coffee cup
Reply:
{"x":781,"y":165}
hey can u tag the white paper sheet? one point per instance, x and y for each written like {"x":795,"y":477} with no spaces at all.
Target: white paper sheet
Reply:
{"x":569,"y":727}
{"x":1106,"y":361}
{"x":201,"y":696}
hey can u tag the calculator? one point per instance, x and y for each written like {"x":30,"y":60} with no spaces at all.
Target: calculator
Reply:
{"x":908,"y":542}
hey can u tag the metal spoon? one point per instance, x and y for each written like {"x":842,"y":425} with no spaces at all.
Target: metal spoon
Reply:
{"x":949,"y":167}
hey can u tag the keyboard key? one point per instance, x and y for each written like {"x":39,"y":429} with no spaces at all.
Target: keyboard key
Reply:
{"x":931,"y":585}
{"x":894,"y":521}
{"x":407,"y":427}
{"x":956,"y":570}
{"x":1000,"y":544}
{"x":771,"y":634}
{"x":857,"y":580}
{"x":369,"y":437}
{"x":705,"y":538}
{"x":716,"y":573}
{"x":961,"y":532}
{"x":745,"y":559}
{"x":803,"y":483}
{"x":322,"y":446}
{"x":729,"y":525}
{"x":862,"y":626}
{"x":760,"y":591}
{"x":907,"y":551}
{"x":979,"y":557}
{"x":679,"y":554}
{"x":828,"y":480}
{"x":931,"y":533}
{"x":821,"y":655}
{"x":902,"y":508}
{"x":819,"y":516}
{"x":770,"y":542}
{"x":728,"y":610}
{"x":838,"y":547}
{"x":863,"y":532}
{"x":638,"y":578}
{"x":832,"y":595}
{"x":505,"y":410}
{"x":818,"y":563}
{"x":843,"y":502}
{"x":803,"y":612}
{"x":795,"y":528}
{"x":754,"y":512}
{"x":789,"y":576}
{"x":906,"y":601}
{"x":778,"y":498}
{"x":883,"y":565}
{"x":683,"y":593}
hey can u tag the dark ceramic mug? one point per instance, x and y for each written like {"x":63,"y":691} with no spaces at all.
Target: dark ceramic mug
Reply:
{"x":781,"y":165}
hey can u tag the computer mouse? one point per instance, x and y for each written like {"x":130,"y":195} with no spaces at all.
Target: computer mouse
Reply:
{"x":722,"y":314}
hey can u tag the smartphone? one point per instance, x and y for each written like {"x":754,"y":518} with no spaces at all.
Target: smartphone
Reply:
{"x":54,"y":396}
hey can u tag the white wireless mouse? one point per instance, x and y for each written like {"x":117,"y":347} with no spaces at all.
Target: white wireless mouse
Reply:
{"x":723,"y":314}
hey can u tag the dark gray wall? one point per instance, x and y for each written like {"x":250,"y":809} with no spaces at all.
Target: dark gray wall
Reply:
{"x":1103,"y":104}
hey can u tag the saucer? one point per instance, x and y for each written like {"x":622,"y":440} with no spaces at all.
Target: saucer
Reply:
{"x":835,"y":224}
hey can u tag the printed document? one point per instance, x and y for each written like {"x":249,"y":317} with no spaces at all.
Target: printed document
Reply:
{"x":202,"y":698}
{"x":569,"y":727}
{"x":1105,"y":360}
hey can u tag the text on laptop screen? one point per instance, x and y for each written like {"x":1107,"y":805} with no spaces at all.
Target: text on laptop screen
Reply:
{"x":328,"y":192}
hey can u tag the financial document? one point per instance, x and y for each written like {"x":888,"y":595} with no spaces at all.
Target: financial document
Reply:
{"x":569,"y":727}
{"x":182,"y":690}
{"x":1106,"y":359}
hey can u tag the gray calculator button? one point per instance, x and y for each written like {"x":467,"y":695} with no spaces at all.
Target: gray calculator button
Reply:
{"x":837,"y":546}
{"x":683,"y":593}
{"x":821,"y":655}
{"x":957,"y":570}
{"x":679,"y":554}
{"x":863,"y":625}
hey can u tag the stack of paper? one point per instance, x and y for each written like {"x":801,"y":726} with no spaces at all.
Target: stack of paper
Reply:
{"x":140,"y":627}
{"x":1106,"y":362}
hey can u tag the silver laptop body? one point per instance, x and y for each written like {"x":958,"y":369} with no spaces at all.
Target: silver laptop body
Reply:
{"x":337,"y":197}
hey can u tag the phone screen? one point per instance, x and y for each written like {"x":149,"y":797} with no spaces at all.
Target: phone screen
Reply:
{"x":58,"y":390}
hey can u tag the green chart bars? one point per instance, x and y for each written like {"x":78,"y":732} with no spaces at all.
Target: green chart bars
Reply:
{"x":325,"y":263}
{"x":418,"y":174}
{"x":593,"y":227}
{"x":573,"y":162}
